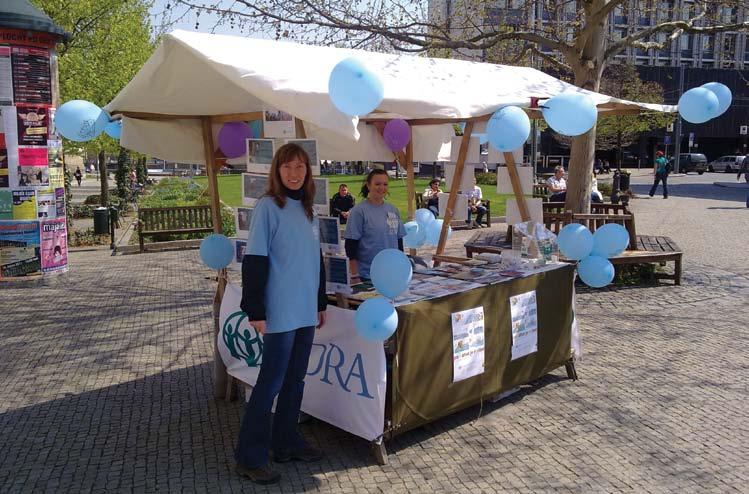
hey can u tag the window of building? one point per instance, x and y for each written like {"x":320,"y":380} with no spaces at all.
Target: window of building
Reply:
{"x":729,"y":45}
{"x":620,"y":15}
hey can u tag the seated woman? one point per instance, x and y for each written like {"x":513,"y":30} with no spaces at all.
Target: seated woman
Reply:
{"x":341,"y":203}
{"x":431,"y":195}
{"x":557,"y":185}
{"x":373,"y":225}
{"x":595,"y":194}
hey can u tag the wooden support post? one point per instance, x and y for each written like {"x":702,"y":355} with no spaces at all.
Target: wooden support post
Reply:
{"x":517,"y":187}
{"x":220,"y":376}
{"x":455,"y":186}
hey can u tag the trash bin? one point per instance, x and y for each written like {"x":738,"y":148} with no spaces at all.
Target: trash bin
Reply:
{"x":624,"y":181}
{"x":101,"y":221}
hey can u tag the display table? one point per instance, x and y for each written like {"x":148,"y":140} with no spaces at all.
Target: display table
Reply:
{"x":379,"y":393}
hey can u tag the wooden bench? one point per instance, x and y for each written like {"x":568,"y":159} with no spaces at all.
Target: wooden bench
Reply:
{"x":541,"y":191}
{"x":421,"y":203}
{"x":643,"y":249}
{"x":173,"y":220}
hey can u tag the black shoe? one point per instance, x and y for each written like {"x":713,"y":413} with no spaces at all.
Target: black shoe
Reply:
{"x":261,"y":475}
{"x":306,"y":454}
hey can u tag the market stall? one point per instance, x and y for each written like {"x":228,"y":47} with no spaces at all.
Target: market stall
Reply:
{"x":195,"y":83}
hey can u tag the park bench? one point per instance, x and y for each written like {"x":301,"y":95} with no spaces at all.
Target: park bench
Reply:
{"x":173,"y":221}
{"x":421,"y":203}
{"x":643,"y":249}
{"x":541,"y":191}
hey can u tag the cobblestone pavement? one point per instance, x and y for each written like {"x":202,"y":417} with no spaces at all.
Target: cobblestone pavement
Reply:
{"x":106,"y":386}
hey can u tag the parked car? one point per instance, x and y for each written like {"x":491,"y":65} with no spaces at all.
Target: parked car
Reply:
{"x":726,"y":164}
{"x":690,"y":162}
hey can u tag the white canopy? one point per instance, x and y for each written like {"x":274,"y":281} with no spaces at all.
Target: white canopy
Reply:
{"x":194,"y":74}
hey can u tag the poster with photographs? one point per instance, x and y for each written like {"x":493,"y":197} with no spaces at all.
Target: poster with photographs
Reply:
{"x":33,"y":176}
{"x":321,"y":205}
{"x":242,"y":219}
{"x":310,"y":147}
{"x":278,"y":123}
{"x":240,"y":246}
{"x":60,"y":202}
{"x":260,"y":155}
{"x":45,"y":204}
{"x":54,"y":245}
{"x":253,"y":188}
{"x":54,"y":153}
{"x":19,"y":249}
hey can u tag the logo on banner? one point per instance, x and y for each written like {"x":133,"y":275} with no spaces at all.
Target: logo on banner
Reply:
{"x":242,"y":340}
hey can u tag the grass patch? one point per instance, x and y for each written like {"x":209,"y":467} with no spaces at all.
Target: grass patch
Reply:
{"x":230,"y":190}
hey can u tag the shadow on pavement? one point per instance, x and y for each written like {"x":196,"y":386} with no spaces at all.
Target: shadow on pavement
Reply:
{"x":698,"y":191}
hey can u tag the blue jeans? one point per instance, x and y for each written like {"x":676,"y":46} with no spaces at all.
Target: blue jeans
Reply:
{"x":282,"y":372}
{"x":480,"y":212}
{"x":659,"y":177}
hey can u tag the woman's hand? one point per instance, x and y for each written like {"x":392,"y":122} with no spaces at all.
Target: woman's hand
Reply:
{"x":321,"y":317}
{"x":259,"y":326}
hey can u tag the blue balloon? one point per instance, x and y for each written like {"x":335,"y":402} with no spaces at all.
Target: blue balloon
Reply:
{"x":509,"y":128}
{"x":80,"y":120}
{"x":376,"y":319}
{"x":698,"y":105}
{"x":114,"y":129}
{"x":723,"y":94}
{"x":570,"y":114}
{"x":433,"y":232}
{"x":216,"y":251}
{"x":575,"y":241}
{"x":256,"y":127}
{"x":424,"y":217}
{"x":411,"y":227}
{"x":610,"y":240}
{"x":390,"y":272}
{"x":596,"y":271}
{"x":415,"y":239}
{"x":354,"y":89}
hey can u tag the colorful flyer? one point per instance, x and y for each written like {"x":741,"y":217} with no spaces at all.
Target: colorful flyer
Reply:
{"x":32,"y":155}
{"x":33,"y":123}
{"x":24,"y":204}
{"x":4,"y":170}
{"x":468,"y":343}
{"x":8,"y":132}
{"x":19,"y":249}
{"x":54,"y":245}
{"x":56,"y":177}
{"x":524,"y":317}
{"x":54,"y":153}
{"x":6,"y":205}
{"x":33,"y":176}
{"x":6,"y":77}
{"x":60,"y":202}
{"x":45,"y":204}
{"x":32,"y":77}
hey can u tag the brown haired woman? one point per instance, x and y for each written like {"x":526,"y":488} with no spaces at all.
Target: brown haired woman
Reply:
{"x":283,"y":294}
{"x":372,"y":226}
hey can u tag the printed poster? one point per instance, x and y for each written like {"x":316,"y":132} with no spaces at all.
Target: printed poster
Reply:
{"x":33,"y":125}
{"x":54,"y":153}
{"x":9,"y":139}
{"x":6,"y":205}
{"x":468,"y":343}
{"x":24,"y":205}
{"x":524,"y":315}
{"x":45,"y":204}
{"x":19,"y":249}
{"x":60,"y":202}
{"x":32,"y":77}
{"x":6,"y":77}
{"x":4,"y":170}
{"x":56,"y":177}
{"x":278,"y":123}
{"x":54,"y":245}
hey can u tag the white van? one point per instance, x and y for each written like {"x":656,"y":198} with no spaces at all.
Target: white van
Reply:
{"x":726,"y":164}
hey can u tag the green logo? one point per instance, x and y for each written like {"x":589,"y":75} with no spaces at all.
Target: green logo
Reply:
{"x":242,"y":340}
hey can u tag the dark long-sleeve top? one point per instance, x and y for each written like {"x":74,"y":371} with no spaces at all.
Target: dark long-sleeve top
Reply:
{"x":341,"y":203}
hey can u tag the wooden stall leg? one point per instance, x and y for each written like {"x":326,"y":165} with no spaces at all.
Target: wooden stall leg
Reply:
{"x":571,"y":372}
{"x":379,"y":451}
{"x":677,"y":271}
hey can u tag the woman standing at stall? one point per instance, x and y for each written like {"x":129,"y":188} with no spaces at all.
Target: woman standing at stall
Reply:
{"x":373,"y":225}
{"x":283,"y":294}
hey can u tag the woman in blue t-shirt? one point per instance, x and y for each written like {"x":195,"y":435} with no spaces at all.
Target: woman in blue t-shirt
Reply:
{"x":373,"y":225}
{"x":283,"y":294}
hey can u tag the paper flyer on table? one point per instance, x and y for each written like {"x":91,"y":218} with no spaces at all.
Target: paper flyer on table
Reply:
{"x":468,"y":343}
{"x":524,"y":320}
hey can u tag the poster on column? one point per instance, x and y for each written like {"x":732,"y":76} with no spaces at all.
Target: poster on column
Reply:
{"x":19,"y":249}
{"x":524,"y":317}
{"x":32,"y":77}
{"x":54,"y":245}
{"x":6,"y":77}
{"x":8,"y":131}
{"x":24,"y":204}
{"x":468,"y":343}
{"x":60,"y":202}
{"x":54,"y":153}
{"x":6,"y":205}
{"x":33,"y":126}
{"x":4,"y":169}
{"x":346,"y":377}
{"x":45,"y":204}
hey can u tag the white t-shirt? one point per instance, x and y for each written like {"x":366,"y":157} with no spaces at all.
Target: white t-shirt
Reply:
{"x":474,"y":194}
{"x":555,"y":183}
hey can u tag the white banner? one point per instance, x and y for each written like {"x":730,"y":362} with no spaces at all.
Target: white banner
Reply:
{"x":523,"y":311}
{"x":346,"y":378}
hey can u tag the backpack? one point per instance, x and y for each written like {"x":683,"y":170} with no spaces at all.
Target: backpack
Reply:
{"x":669,"y":167}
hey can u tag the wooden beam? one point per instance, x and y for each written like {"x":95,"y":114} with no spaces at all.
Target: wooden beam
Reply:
{"x":455,"y":186}
{"x":210,"y":167}
{"x":229,"y":117}
{"x":237,"y":117}
{"x":517,"y":188}
{"x":299,"y":127}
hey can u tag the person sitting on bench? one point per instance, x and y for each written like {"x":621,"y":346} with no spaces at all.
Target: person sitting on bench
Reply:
{"x":475,"y":206}
{"x":557,"y":185}
{"x":431,"y":194}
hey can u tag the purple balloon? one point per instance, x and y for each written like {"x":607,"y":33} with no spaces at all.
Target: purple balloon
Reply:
{"x":231,"y":139}
{"x":397,"y":133}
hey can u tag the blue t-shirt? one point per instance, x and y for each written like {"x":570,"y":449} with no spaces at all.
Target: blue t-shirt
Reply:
{"x":376,"y":228}
{"x":292,"y":244}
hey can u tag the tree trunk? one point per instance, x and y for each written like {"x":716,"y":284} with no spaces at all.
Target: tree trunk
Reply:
{"x":588,"y":69}
{"x":104,"y":194}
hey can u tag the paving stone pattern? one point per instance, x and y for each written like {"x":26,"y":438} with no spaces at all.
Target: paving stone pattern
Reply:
{"x":107,"y":387}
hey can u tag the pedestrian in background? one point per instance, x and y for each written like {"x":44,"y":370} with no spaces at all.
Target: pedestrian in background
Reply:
{"x":660,"y":173}
{"x":745,"y":170}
